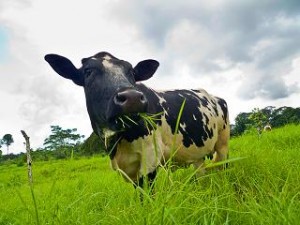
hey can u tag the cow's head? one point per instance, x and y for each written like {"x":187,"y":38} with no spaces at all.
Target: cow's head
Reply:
{"x":109,"y":84}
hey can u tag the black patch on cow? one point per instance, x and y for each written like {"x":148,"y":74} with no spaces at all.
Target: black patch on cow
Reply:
{"x":204,"y":101}
{"x":206,"y":118}
{"x":194,"y":132}
{"x":150,"y":176}
{"x":224,"y":108}
{"x":215,"y":107}
{"x":154,"y":107}
{"x":136,"y":130}
{"x":209,"y":156}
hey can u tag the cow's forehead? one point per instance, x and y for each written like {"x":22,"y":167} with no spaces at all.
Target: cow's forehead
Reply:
{"x":103,"y":58}
{"x":104,"y":55}
{"x":109,"y":61}
{"x":110,"y":64}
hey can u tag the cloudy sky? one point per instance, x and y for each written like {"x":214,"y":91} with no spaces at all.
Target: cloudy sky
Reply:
{"x":247,"y":52}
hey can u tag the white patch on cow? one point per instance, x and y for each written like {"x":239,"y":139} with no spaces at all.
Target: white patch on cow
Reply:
{"x":113,"y":69}
{"x":161,"y":99}
{"x":201,"y":92}
{"x":140,"y":157}
{"x":194,"y":117}
{"x":107,"y":64}
{"x":204,"y":118}
{"x":183,"y":126}
{"x":107,"y":134}
{"x":166,"y":113}
{"x":107,"y":57}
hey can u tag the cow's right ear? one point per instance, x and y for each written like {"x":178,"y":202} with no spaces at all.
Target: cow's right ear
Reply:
{"x":145,"y":69}
{"x":65,"y":68}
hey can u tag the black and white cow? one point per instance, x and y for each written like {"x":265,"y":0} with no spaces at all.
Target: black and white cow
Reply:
{"x":115,"y":101}
{"x":268,"y":127}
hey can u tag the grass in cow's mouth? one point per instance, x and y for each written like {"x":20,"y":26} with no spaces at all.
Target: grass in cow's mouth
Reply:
{"x":126,"y":123}
{"x":149,"y":120}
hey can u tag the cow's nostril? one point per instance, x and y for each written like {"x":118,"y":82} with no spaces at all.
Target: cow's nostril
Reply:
{"x":120,"y":98}
{"x":143,"y":99}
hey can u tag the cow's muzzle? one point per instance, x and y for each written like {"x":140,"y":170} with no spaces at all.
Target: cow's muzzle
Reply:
{"x":131,"y":101}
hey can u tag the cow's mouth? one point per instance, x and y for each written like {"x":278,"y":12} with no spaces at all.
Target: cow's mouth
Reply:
{"x":129,"y":121}
{"x":135,"y":120}
{"x":124,"y":122}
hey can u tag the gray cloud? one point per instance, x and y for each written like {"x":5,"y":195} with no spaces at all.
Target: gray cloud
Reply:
{"x":266,"y":86}
{"x":263,"y":34}
{"x":15,"y":3}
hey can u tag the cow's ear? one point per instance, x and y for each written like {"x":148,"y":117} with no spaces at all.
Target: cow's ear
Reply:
{"x":145,"y":69}
{"x":65,"y":68}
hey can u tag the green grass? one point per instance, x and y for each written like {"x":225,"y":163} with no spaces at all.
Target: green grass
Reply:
{"x":261,"y":188}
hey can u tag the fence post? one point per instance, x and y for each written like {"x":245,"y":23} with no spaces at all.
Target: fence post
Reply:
{"x":29,"y":160}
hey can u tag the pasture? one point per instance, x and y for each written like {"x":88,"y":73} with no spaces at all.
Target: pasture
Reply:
{"x":261,"y":186}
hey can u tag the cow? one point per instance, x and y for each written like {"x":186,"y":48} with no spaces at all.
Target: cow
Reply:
{"x":187,"y":125}
{"x":267,"y":128}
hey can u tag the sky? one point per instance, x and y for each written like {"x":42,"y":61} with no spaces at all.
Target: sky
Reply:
{"x":246,"y":52}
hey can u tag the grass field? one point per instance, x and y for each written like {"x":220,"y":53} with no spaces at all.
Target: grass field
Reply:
{"x":261,"y":187}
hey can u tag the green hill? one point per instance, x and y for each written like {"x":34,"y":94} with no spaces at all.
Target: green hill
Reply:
{"x":261,"y":186}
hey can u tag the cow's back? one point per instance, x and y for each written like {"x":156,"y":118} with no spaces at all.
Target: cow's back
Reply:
{"x":203,"y":119}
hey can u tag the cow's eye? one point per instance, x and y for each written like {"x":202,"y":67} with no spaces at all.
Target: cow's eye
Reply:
{"x":133,"y":74}
{"x":88,"y":71}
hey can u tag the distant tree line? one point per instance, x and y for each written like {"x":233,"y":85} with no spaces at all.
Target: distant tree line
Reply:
{"x":270,"y":115}
{"x":67,"y":143}
{"x":60,"y":144}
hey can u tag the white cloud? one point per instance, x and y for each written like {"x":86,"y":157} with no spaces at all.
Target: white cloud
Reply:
{"x":244,"y":52}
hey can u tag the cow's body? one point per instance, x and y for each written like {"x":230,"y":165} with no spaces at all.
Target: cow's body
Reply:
{"x":203,"y":129}
{"x":138,"y":149}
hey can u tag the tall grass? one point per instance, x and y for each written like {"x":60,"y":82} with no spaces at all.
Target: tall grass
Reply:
{"x":261,"y":188}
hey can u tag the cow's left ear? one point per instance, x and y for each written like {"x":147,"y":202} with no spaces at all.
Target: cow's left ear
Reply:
{"x":65,"y":68}
{"x":145,"y":69}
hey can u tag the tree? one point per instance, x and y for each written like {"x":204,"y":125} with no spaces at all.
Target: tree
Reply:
{"x":93,"y":145}
{"x":7,"y":140}
{"x":62,"y":140}
{"x":285,"y":115}
{"x":242,"y":122}
{"x":258,"y":118}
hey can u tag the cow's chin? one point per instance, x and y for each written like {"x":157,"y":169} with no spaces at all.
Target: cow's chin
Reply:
{"x":122,"y":123}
